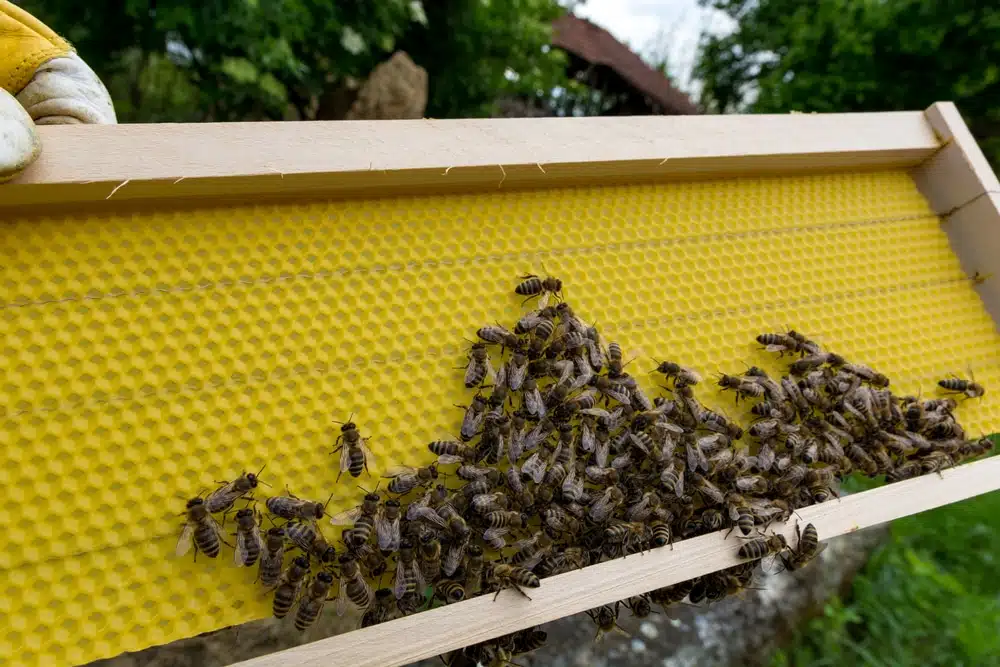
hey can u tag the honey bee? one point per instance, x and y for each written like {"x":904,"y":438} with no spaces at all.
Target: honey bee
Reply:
{"x":670,"y":595}
{"x":354,"y":452}
{"x":248,"y":541}
{"x":644,"y":507}
{"x":504,"y":576}
{"x":740,"y":513}
{"x":814,"y":361}
{"x":806,"y":548}
{"x":517,"y":369}
{"x":353,"y":586}
{"x":681,"y":376}
{"x":606,"y":504}
{"x":224,"y":497}
{"x":532,"y":398}
{"x":449,"y":590}
{"x":660,"y":534}
{"x":936,"y":461}
{"x":430,"y":557}
{"x":306,"y":536}
{"x":360,"y":518}
{"x":452,"y":451}
{"x":291,"y":507}
{"x":752,"y":484}
{"x":614,"y":356}
{"x":456,"y":551}
{"x":478,"y":367}
{"x":531,"y":286}
{"x":711,"y":519}
{"x":484,"y":503}
{"x":713,"y":421}
{"x":473,"y":418}
{"x":200,"y":530}
{"x":473,"y":574}
{"x":606,"y":620}
{"x":672,"y":479}
{"x":387,"y":526}
{"x":409,"y":578}
{"x":531,"y":321}
{"x":272,"y":557}
{"x":710,"y":493}
{"x":529,"y":640}
{"x":381,"y":611}
{"x":404,"y":478}
{"x":502,"y":519}
{"x":744,"y":388}
{"x":868,"y":375}
{"x":640,"y":606}
{"x":969,"y":388}
{"x":313,"y":601}
{"x":499,"y":335}
{"x":560,"y":520}
{"x":627,"y":536}
{"x":289,"y":585}
{"x":759,"y":548}
{"x":781,"y":343}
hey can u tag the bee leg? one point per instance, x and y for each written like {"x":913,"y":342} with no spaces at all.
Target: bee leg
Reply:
{"x":521,"y":591}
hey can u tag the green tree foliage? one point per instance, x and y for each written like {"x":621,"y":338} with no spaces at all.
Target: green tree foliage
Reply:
{"x":186,"y":60}
{"x":857,"y":55}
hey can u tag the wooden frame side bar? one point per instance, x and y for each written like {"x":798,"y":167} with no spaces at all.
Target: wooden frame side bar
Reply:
{"x":962,"y":188}
{"x":443,"y":629}
{"x":96,"y":164}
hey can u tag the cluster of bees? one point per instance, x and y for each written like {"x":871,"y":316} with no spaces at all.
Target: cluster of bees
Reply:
{"x":562,"y":460}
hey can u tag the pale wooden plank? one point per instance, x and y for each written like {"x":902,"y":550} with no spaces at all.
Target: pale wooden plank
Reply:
{"x":430,"y":633}
{"x":958,"y":173}
{"x":974,"y":234}
{"x":138,"y":162}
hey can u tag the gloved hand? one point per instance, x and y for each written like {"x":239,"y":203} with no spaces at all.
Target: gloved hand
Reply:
{"x":43,"y":81}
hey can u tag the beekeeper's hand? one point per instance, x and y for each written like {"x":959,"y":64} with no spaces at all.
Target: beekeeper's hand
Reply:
{"x":42,"y":81}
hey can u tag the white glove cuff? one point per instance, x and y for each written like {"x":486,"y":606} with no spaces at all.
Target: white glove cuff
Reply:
{"x":65,"y":90}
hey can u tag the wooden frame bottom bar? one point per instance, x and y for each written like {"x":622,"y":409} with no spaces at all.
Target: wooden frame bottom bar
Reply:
{"x":451,"y":627}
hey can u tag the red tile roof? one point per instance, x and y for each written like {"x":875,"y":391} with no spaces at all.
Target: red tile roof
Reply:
{"x":596,"y":45}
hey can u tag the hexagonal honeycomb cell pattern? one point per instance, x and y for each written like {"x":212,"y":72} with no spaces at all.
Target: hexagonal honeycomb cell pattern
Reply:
{"x":147,"y":355}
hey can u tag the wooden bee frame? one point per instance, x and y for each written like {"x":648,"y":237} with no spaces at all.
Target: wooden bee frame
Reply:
{"x":99,"y":168}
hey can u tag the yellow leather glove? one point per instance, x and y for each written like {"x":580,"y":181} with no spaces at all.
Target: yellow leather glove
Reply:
{"x":43,"y":81}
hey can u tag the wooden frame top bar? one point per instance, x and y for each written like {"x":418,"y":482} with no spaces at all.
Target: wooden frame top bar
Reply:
{"x":94,"y":164}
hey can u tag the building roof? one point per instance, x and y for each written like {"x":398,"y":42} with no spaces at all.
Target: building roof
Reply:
{"x":596,"y":45}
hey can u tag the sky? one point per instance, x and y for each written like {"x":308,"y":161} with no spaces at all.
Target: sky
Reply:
{"x":658,"y":27}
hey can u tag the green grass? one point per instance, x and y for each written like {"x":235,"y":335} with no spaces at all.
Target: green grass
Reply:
{"x":931,"y":596}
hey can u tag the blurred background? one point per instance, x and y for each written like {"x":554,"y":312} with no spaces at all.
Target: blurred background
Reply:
{"x":923,"y":592}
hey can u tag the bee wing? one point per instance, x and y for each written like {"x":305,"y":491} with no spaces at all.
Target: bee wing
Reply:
{"x":544,"y":300}
{"x":399,"y":585}
{"x":500,"y":377}
{"x":596,"y":412}
{"x":398,"y":471}
{"x":588,"y":442}
{"x":638,"y":443}
{"x":495,"y":533}
{"x":383,"y":531}
{"x":240,"y":553}
{"x":421,"y":582}
{"x":345,"y":457}
{"x":491,"y":373}
{"x":428,"y":514}
{"x":449,"y":459}
{"x":620,"y":394}
{"x":711,"y":491}
{"x":602,"y":452}
{"x":346,"y":518}
{"x":341,"y":604}
{"x":186,"y":540}
{"x":515,"y":376}
{"x":565,"y":370}
{"x":535,"y":468}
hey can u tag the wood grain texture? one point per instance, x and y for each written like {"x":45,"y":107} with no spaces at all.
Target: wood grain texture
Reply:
{"x":87,"y":163}
{"x":959,"y":173}
{"x":430,"y":633}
